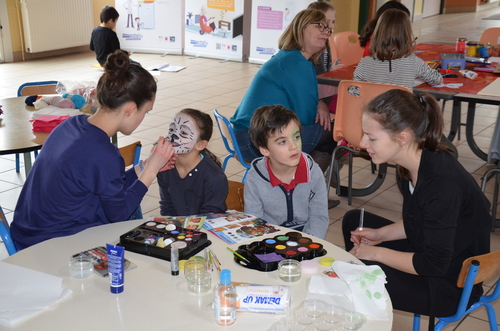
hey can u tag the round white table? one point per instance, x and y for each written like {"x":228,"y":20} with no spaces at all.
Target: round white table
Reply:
{"x":152,"y":299}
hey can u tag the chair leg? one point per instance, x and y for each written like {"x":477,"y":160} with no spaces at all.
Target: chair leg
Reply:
{"x":416,"y":322}
{"x":18,"y":163}
{"x":492,"y":317}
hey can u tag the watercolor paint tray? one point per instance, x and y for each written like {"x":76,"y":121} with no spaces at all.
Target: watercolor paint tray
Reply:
{"x":156,"y":239}
{"x":265,"y":255}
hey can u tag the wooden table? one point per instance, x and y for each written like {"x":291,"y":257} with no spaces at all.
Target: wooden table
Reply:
{"x":466,"y":93}
{"x":16,"y":135}
{"x":152,"y":299}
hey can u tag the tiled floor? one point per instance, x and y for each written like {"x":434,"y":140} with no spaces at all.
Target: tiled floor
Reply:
{"x":207,"y":84}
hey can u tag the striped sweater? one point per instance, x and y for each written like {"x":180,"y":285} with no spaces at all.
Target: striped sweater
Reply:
{"x":402,"y":71}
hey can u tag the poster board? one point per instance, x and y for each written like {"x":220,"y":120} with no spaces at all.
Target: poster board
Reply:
{"x":269,"y":20}
{"x":150,"y":25}
{"x":214,"y":28}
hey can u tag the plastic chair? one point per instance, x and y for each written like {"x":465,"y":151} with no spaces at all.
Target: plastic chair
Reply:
{"x":26,"y":89}
{"x":230,"y":142}
{"x":5,"y":234}
{"x":345,"y":45}
{"x":353,"y":97}
{"x":474,"y":270}
{"x":494,"y":205}
{"x":491,"y":35}
{"x":235,"y":196}
{"x":131,"y":155}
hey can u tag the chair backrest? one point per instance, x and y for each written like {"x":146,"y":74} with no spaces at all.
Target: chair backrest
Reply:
{"x":345,"y":45}
{"x":235,"y":196}
{"x":131,"y":153}
{"x":491,"y":35}
{"x":44,"y":87}
{"x":230,"y":142}
{"x":5,"y":234}
{"x":353,"y":96}
{"x":489,"y":267}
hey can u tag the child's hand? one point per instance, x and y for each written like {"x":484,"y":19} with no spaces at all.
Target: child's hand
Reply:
{"x":336,"y":65}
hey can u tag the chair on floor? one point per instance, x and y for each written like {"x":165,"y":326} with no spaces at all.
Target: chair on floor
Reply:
{"x":345,"y":45}
{"x":5,"y":234}
{"x":353,"y":96}
{"x":491,"y":36}
{"x":31,"y":88}
{"x":131,"y":155}
{"x":229,"y":139}
{"x":474,"y":270}
{"x":494,"y":204}
{"x":235,"y":199}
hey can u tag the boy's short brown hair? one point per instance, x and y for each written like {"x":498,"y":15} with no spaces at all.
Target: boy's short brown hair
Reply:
{"x":108,"y":13}
{"x":266,"y":120}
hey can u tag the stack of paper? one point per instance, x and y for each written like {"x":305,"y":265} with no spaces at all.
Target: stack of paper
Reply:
{"x":164,"y":67}
{"x":492,"y":89}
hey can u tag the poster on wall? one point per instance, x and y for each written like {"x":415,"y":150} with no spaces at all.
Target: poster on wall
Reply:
{"x":269,"y":20}
{"x":214,"y":28}
{"x":150,"y":25}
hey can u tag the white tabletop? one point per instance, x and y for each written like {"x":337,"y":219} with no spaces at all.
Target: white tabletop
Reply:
{"x":152,"y":299}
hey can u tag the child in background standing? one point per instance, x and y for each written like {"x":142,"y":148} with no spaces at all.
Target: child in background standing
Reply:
{"x":285,"y":187}
{"x":391,"y":59}
{"x":197,"y":184}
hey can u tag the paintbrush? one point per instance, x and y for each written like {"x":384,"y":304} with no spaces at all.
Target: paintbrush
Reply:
{"x":361,"y":221}
{"x":244,"y":259}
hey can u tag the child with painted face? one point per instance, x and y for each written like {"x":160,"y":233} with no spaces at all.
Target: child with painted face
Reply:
{"x":197,"y":184}
{"x":284,"y":187}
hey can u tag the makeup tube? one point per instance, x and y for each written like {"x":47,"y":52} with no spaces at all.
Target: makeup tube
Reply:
{"x":174,"y":260}
{"x":115,"y":267}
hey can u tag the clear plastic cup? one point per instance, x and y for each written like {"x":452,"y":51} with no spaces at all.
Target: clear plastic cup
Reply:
{"x":289,"y":270}
{"x":194,"y":266}
{"x":353,"y":321}
{"x":81,"y":267}
{"x":334,"y":314}
{"x":199,"y":282}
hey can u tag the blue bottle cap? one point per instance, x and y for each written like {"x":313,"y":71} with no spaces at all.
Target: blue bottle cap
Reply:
{"x":225,"y":277}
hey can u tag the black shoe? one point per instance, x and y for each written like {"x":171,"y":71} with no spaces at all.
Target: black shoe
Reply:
{"x":333,"y":203}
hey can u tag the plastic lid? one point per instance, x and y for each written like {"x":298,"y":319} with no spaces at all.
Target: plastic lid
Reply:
{"x":225,"y":277}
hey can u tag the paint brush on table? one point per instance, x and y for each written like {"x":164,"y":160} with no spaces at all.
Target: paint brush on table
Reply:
{"x":361,"y":221}
{"x":244,"y":259}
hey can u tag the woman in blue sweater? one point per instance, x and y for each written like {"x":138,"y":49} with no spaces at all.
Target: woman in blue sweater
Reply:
{"x":79,"y":178}
{"x":289,"y":79}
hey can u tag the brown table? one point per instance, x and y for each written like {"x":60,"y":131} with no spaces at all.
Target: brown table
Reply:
{"x":467,"y":93}
{"x":16,"y":135}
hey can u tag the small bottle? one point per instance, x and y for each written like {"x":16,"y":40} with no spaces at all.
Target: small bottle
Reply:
{"x":461,"y":45}
{"x":225,"y":299}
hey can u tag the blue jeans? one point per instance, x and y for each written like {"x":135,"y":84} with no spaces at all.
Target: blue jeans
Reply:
{"x":310,"y":135}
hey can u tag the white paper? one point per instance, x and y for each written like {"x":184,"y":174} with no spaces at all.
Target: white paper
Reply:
{"x":25,"y":292}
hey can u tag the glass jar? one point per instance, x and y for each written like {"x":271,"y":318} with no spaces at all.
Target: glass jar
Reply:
{"x":461,"y":45}
{"x":471,"y":48}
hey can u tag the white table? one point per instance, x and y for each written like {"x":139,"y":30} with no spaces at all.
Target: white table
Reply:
{"x":152,"y":299}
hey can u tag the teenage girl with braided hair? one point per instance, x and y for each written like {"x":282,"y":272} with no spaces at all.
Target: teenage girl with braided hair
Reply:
{"x":445,"y":215}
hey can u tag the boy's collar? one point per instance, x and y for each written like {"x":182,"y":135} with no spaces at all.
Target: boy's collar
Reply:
{"x":302,"y":174}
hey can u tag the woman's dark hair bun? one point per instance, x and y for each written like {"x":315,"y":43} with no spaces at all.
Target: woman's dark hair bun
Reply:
{"x":117,"y":63}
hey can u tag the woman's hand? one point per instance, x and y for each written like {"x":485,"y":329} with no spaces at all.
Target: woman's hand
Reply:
{"x":161,"y":155}
{"x":323,"y":115}
{"x":170,"y":164}
{"x":366,"y":236}
{"x":364,"y":251}
{"x":336,"y":65}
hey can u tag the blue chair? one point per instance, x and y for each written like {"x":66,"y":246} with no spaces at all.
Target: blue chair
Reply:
{"x":229,"y":139}
{"x":26,"y":89}
{"x":5,"y":234}
{"x":131,"y":155}
{"x":475,"y":270}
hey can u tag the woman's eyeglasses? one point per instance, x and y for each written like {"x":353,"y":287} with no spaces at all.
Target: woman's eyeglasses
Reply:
{"x":323,"y":28}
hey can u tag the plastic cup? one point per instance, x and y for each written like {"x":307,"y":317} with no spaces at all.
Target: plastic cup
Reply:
{"x":334,"y":314}
{"x":289,"y":270}
{"x":352,"y":320}
{"x":194,"y":266}
{"x":199,"y":282}
{"x":81,"y":267}
{"x":314,"y":308}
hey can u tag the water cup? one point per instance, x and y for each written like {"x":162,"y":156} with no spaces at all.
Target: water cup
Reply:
{"x":199,"y":282}
{"x":81,"y":267}
{"x":289,"y":270}
{"x":352,"y":320}
{"x":194,"y":266}
{"x":334,"y":314}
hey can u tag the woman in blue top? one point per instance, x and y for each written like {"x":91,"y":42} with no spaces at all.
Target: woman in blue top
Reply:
{"x":289,"y":79}
{"x":79,"y":178}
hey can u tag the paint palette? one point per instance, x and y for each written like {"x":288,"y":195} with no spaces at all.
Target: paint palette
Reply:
{"x":265,"y":255}
{"x":156,"y":239}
